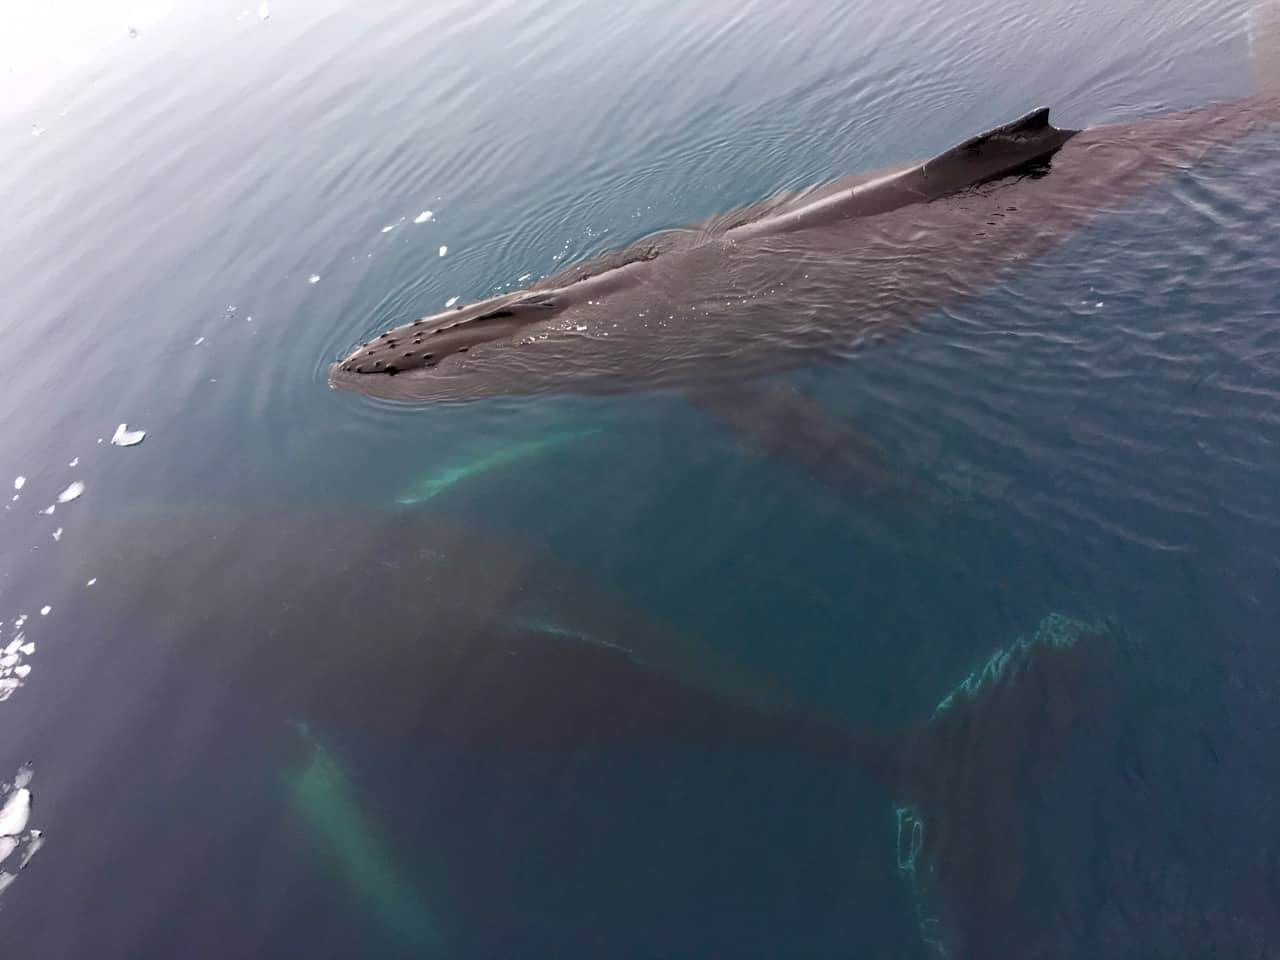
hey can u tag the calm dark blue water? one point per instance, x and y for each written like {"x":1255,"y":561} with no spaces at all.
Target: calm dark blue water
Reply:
{"x":221,"y":663}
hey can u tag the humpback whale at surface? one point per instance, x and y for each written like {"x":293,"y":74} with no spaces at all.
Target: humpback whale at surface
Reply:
{"x":806,"y":275}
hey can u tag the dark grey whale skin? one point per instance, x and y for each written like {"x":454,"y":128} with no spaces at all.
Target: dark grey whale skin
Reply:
{"x":797,"y":279}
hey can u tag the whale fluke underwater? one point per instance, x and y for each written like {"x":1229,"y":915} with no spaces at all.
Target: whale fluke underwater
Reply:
{"x":319,"y":628}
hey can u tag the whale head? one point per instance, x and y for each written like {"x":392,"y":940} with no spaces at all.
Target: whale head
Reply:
{"x":423,"y":343}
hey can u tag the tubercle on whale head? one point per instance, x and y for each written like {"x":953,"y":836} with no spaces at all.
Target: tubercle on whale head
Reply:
{"x":426,"y":341}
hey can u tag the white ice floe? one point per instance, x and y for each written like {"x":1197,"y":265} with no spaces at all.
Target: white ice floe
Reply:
{"x":314,"y":278}
{"x":124,"y":437}
{"x":57,"y":534}
{"x":199,"y":340}
{"x":19,"y":482}
{"x":524,"y":278}
{"x":72,"y":492}
{"x":91,"y":581}
{"x":22,"y":670}
{"x":74,"y":463}
{"x":15,"y":813}
{"x":443,"y":251}
{"x":48,"y":511}
{"x":451,"y":301}
{"x":46,"y":610}
{"x":7,"y":846}
{"x":264,"y":12}
{"x":423,"y":217}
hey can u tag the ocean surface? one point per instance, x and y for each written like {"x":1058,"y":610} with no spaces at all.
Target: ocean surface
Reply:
{"x":304,"y":673}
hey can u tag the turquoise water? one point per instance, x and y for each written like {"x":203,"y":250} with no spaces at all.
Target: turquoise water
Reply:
{"x":1093,"y":437}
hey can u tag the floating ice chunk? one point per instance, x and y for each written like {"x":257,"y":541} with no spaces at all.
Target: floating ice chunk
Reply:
{"x":57,"y":534}
{"x":423,"y":217}
{"x":388,"y":228}
{"x":5,"y":880}
{"x":524,"y":278}
{"x":19,"y":482}
{"x":314,"y":278}
{"x":72,"y":492}
{"x":48,"y":511}
{"x":13,"y":646}
{"x":74,"y":463}
{"x":124,"y":437}
{"x":264,"y":12}
{"x":15,"y":813}
{"x":23,"y":779}
{"x":91,"y":581}
{"x":8,"y":660}
{"x":7,"y":846}
{"x":451,"y":301}
{"x":199,"y":340}
{"x":7,"y":686}
{"x":443,"y":250}
{"x":27,"y":649}
{"x":46,"y":610}
{"x":33,"y":847}
{"x":22,"y":670}
{"x":22,"y":618}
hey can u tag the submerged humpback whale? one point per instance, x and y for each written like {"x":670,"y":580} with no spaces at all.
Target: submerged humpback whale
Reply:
{"x":394,"y":625}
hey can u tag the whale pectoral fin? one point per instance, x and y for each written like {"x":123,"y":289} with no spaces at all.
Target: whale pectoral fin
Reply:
{"x":778,"y":420}
{"x":323,"y":795}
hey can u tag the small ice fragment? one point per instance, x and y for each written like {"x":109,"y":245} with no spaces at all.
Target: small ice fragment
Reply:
{"x":443,"y":251}
{"x":22,"y":618}
{"x":57,"y":534}
{"x":249,"y":318}
{"x":451,"y":301}
{"x":7,"y":686}
{"x":23,"y":780}
{"x":7,"y":846}
{"x":74,"y":463}
{"x":388,"y":228}
{"x":33,"y":847}
{"x":524,"y":278}
{"x":72,"y":492}
{"x":48,"y":511}
{"x":6,"y":879}
{"x":19,"y":483}
{"x":314,"y":278}
{"x":124,"y":437}
{"x":22,"y":671}
{"x":91,"y":581}
{"x":199,"y":340}
{"x":580,"y":327}
{"x":45,"y":610}
{"x":14,"y":645}
{"x":27,"y":649}
{"x":264,"y":12}
{"x":15,"y":813}
{"x":1098,"y":305}
{"x":423,"y":217}
{"x":8,"y":660}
